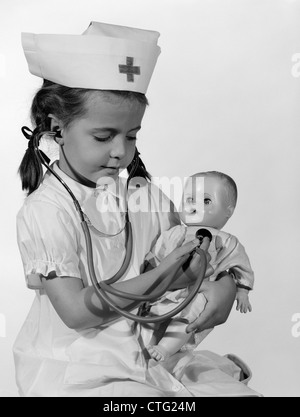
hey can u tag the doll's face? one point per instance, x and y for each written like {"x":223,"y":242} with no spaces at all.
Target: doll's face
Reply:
{"x":205,"y":202}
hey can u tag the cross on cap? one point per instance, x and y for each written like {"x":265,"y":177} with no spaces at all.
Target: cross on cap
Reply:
{"x":91,"y":60}
{"x":129,"y":69}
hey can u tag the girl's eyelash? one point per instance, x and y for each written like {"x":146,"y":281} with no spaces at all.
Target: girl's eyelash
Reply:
{"x":102,"y":139}
{"x":109,"y":137}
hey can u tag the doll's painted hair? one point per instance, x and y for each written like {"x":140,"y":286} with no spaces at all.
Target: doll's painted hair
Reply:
{"x":67,"y":104}
{"x":231,"y":187}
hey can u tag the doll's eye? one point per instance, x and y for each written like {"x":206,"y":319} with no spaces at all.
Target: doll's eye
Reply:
{"x":190,"y":200}
{"x":207,"y":201}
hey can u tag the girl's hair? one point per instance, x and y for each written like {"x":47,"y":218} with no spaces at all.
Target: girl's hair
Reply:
{"x":67,"y":104}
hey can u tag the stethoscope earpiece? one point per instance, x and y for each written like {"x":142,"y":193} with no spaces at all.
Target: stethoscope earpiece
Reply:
{"x":57,"y":134}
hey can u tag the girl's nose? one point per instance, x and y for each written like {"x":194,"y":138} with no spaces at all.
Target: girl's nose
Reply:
{"x":118,"y":149}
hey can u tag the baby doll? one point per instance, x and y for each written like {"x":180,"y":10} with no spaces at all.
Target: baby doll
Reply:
{"x":208,"y":201}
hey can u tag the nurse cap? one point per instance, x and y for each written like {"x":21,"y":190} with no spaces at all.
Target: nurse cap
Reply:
{"x":104,"y":57}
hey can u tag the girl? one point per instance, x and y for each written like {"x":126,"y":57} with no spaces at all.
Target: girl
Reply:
{"x":72,"y":343}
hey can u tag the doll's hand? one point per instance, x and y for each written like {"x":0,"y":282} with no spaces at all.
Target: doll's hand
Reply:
{"x":242,"y":301}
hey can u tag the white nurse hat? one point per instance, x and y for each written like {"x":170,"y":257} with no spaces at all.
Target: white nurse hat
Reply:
{"x":104,"y":57}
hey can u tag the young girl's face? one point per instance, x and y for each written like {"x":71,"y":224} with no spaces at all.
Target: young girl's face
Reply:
{"x":102,"y":143}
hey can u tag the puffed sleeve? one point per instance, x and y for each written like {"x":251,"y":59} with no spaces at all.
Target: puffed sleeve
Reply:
{"x":47,"y":242}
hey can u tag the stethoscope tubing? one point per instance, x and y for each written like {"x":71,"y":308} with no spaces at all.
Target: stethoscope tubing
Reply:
{"x":104,"y":287}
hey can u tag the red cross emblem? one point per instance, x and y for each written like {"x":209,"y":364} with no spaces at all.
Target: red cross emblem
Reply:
{"x":129,"y":69}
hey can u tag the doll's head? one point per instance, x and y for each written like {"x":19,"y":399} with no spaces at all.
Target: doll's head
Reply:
{"x":209,"y":199}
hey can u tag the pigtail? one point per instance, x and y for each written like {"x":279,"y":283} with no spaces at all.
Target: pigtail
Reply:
{"x":139,"y":168}
{"x":30,"y":169}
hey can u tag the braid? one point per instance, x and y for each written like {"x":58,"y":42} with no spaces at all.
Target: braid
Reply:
{"x":30,"y":169}
{"x":140,"y":170}
{"x":65,"y":103}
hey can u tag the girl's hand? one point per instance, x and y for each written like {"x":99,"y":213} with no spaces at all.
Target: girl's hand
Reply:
{"x":187,"y":275}
{"x":220,"y":297}
{"x":194,"y":267}
{"x":172,"y":262}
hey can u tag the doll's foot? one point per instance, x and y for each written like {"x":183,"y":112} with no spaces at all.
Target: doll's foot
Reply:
{"x":158,"y":353}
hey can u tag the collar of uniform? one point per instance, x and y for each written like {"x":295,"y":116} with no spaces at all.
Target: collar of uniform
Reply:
{"x":82,"y":192}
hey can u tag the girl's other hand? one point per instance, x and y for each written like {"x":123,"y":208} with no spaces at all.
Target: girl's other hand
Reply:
{"x":220,"y":297}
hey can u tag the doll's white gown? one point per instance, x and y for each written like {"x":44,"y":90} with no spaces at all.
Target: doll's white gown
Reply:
{"x":226,"y":254}
{"x":54,"y":360}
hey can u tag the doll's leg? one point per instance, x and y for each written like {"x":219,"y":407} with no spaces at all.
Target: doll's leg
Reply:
{"x":174,"y":338}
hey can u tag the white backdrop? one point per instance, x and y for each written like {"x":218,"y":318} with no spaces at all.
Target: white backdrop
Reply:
{"x":224,"y":97}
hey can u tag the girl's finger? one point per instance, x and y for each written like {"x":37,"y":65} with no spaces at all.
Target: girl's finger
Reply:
{"x":205,"y":244}
{"x":186,"y":248}
{"x":209,"y":271}
{"x":203,"y":322}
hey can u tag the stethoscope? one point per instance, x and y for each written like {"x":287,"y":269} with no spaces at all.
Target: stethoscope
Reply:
{"x":104,"y":288}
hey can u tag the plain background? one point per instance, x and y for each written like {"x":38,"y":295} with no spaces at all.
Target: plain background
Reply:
{"x":223,"y":98}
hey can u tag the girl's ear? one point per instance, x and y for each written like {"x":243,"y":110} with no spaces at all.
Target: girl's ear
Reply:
{"x":56,"y":126}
